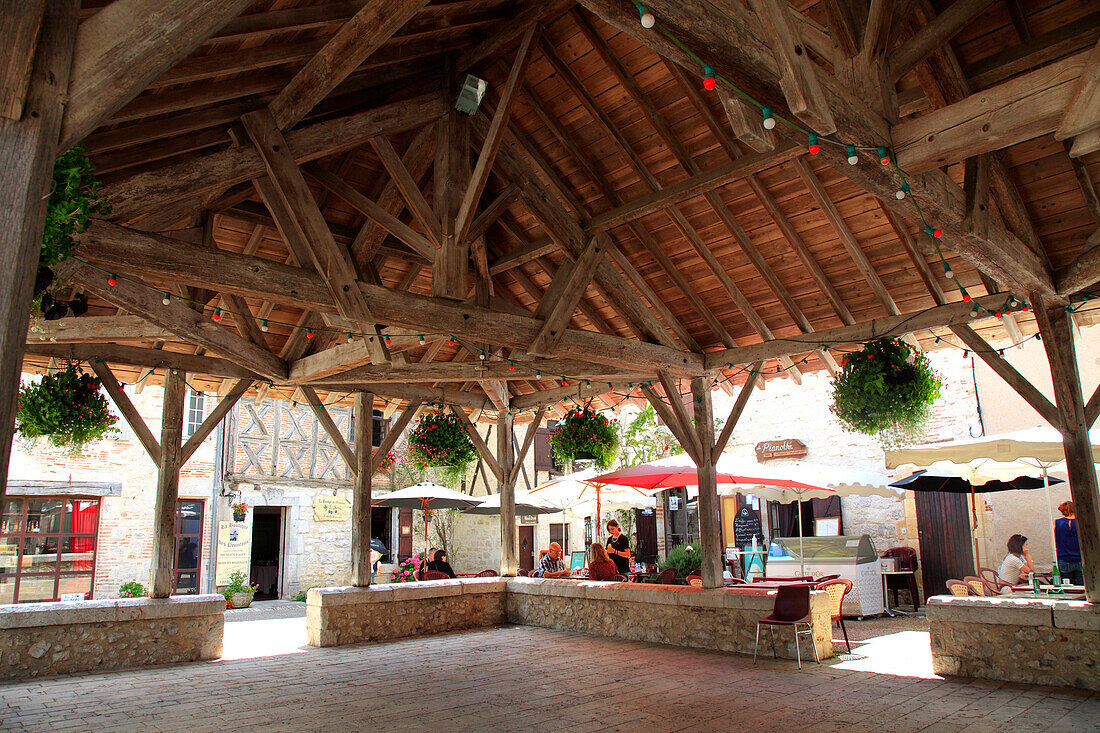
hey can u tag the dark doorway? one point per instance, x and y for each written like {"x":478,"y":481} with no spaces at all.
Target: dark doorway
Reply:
{"x":945,"y":543}
{"x":646,"y":527}
{"x":527,"y":547}
{"x":267,"y":546}
{"x":380,"y":523}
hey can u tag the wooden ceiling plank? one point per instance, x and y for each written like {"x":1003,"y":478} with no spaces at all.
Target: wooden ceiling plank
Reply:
{"x":1039,"y":50}
{"x":566,"y":298}
{"x":353,"y":43}
{"x":934,"y":35}
{"x":1083,"y":110}
{"x":127,"y":44}
{"x":408,"y":186}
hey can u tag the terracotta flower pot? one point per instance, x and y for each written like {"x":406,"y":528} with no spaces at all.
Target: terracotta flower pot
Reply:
{"x":242,"y":599}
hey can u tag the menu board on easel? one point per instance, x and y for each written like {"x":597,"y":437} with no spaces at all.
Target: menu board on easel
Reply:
{"x":746,"y":525}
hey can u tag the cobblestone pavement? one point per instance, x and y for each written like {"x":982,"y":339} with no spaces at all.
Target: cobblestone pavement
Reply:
{"x":518,"y":678}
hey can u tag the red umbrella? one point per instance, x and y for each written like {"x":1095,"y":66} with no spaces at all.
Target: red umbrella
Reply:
{"x":680,"y":470}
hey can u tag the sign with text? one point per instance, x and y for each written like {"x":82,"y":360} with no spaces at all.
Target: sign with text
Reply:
{"x":234,"y":550}
{"x":331,"y":509}
{"x":786,"y":448}
{"x":746,"y":525}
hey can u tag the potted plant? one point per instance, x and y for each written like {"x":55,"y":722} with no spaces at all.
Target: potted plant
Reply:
{"x":886,"y":390}
{"x":133,"y":589}
{"x":585,"y":434}
{"x":406,"y":571}
{"x":66,"y":407}
{"x":441,"y":440}
{"x":240,"y":511}
{"x":239,"y":594}
{"x":685,"y":558}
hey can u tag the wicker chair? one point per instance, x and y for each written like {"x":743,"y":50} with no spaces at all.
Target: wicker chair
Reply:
{"x":435,"y":575}
{"x":617,"y":578}
{"x":837,"y":589}
{"x":665,"y":577}
{"x":977,"y":586}
{"x":695,"y":580}
{"x":958,"y":588}
{"x":792,"y":608}
{"x":490,"y":573}
{"x":522,"y":573}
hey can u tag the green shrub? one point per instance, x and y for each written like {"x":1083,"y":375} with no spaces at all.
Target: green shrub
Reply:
{"x":684,"y":558}
{"x":133,"y":589}
{"x":237,"y":584}
{"x":300,"y":596}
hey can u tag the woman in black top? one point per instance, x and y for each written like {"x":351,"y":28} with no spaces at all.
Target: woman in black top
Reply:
{"x":618,"y":547}
{"x":440,"y":564}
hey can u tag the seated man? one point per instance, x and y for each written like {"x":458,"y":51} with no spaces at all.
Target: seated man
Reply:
{"x":551,"y":565}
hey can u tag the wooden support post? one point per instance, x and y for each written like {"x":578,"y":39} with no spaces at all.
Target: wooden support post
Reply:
{"x":509,"y":553}
{"x":1055,"y":326}
{"x":361,"y":495}
{"x":28,"y":147}
{"x":168,"y":484}
{"x":710,"y":525}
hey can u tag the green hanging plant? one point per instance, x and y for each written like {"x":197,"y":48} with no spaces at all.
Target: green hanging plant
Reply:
{"x":585,"y":434}
{"x":886,"y":390}
{"x":74,"y":197}
{"x":65,"y":407}
{"x":440,"y":440}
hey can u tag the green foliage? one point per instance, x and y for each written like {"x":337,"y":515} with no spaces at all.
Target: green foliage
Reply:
{"x":66,"y":407}
{"x":585,"y":431}
{"x":642,"y":440}
{"x":133,"y":589}
{"x":300,"y":596}
{"x":74,"y":197}
{"x":237,"y":584}
{"x":440,"y":440}
{"x":886,"y":390}
{"x":684,"y":558}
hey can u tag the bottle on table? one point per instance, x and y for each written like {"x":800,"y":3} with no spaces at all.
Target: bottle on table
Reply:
{"x":1035,"y":583}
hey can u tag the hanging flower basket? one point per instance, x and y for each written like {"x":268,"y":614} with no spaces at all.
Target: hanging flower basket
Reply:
{"x":886,"y":390}
{"x":585,"y":435}
{"x":66,"y":407}
{"x":240,"y":511}
{"x":440,"y":440}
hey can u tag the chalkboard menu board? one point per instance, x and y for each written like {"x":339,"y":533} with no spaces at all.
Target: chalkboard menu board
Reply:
{"x":746,"y":525}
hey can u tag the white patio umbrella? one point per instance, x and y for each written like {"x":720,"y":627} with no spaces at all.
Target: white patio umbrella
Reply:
{"x":526,"y":505}
{"x":426,"y":497}
{"x":1035,"y":452}
{"x":569,"y":492}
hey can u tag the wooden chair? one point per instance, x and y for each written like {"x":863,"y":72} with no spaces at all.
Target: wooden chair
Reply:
{"x":958,"y":588}
{"x":837,"y":589}
{"x":490,"y":573}
{"x":792,"y":608}
{"x":435,"y":575}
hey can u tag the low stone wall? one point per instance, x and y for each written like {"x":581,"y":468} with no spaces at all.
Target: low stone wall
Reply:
{"x":723,"y":619}
{"x":349,"y":615}
{"x":62,"y":638}
{"x":1038,"y":641}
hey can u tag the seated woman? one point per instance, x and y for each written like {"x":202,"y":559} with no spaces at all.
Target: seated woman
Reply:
{"x":439,"y":563}
{"x":600,"y":567}
{"x":1017,"y":563}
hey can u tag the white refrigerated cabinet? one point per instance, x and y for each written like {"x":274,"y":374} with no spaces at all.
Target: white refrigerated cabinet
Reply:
{"x":850,"y":557}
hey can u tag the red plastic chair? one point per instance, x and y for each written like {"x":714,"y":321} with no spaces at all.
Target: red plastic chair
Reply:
{"x":792,"y":608}
{"x":435,"y":575}
{"x":665,"y":577}
{"x":487,"y":574}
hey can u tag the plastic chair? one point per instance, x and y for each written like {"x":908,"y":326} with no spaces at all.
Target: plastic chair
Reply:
{"x":435,"y":575}
{"x":837,"y":589}
{"x":487,"y":574}
{"x":792,"y":608}
{"x":906,"y":560}
{"x":958,"y":588}
{"x":977,"y":586}
{"x":665,"y":577}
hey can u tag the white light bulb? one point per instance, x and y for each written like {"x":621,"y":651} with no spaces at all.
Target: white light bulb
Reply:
{"x":166,"y":299}
{"x":899,"y":194}
{"x":769,"y":123}
{"x":648,"y":20}
{"x":853,"y":159}
{"x":949,"y":274}
{"x":973,"y":314}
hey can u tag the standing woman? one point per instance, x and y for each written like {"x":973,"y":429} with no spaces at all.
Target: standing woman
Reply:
{"x":618,"y":547}
{"x":1069,"y":548}
{"x":1017,"y":562}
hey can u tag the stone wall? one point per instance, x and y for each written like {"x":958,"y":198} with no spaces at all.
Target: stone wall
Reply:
{"x":46,"y":639}
{"x":1040,"y":641}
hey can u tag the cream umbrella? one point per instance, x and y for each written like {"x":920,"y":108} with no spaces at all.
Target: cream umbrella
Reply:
{"x":526,"y":505}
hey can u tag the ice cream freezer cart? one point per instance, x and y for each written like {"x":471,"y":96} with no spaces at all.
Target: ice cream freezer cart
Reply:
{"x":851,"y":557}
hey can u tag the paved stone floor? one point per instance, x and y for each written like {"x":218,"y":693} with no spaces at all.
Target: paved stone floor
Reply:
{"x":518,"y":678}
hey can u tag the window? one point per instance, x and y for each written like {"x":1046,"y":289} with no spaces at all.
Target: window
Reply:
{"x":545,"y":460}
{"x":560,"y":533}
{"x":188,"y":547}
{"x":378,"y":429}
{"x":47,"y":548}
{"x":196,"y":411}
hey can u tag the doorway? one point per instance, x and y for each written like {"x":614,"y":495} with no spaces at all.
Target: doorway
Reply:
{"x":943,"y":529}
{"x":267,"y":551}
{"x":645,"y":525}
{"x":381,"y":522}
{"x":527,"y":547}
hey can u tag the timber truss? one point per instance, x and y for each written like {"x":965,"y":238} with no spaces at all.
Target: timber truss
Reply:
{"x":298,"y":209}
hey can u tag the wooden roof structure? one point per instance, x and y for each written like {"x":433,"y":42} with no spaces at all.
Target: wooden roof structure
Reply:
{"x":296,"y":170}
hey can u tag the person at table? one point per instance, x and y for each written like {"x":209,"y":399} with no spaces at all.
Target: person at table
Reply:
{"x":439,"y":564}
{"x":1069,"y":548}
{"x":551,"y":564}
{"x":600,"y":566}
{"x":618,"y":547}
{"x":1017,"y":563}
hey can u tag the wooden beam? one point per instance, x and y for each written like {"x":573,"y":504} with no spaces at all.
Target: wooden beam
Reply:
{"x":480,"y":445}
{"x":710,"y":523}
{"x":976,"y":191}
{"x":363,"y":472}
{"x":23,"y":21}
{"x":127,"y":44}
{"x":492,"y":211}
{"x":797,"y":74}
{"x":476,"y":370}
{"x":838,"y":13}
{"x":168,"y":482}
{"x":333,"y":432}
{"x":96,"y":328}
{"x":675,"y":415}
{"x":1083,"y":111}
{"x":507,"y":31}
{"x":225,"y":404}
{"x":565,"y":297}
{"x":1008,"y":373}
{"x":738,"y":408}
{"x":509,"y":554}
{"x":353,"y":43}
{"x":934,"y":35}
{"x":579,"y":391}
{"x":28,"y":149}
{"x":1092,"y":408}
{"x":207,"y":173}
{"x":1085,"y":143}
{"x":151,"y":359}
{"x":495,"y":136}
{"x":126,"y":407}
{"x":408,"y":186}
{"x":746,"y":123}
{"x":1082,"y":273}
{"x":394,"y":433}
{"x":528,"y":441}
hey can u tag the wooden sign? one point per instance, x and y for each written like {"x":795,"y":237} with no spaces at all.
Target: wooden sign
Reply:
{"x":234,"y":550}
{"x":786,"y":448}
{"x":331,"y":509}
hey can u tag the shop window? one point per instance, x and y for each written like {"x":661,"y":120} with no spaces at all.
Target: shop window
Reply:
{"x":196,"y":413}
{"x":47,"y":548}
{"x":379,"y":425}
{"x":544,"y":455}
{"x":189,"y":521}
{"x":560,"y":533}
